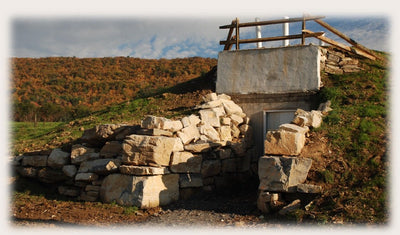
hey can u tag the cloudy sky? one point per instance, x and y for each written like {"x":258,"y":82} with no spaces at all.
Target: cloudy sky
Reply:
{"x":166,"y":37}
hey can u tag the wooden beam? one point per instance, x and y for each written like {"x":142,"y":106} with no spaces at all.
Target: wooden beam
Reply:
{"x":228,"y":46}
{"x":342,"y":46}
{"x":269,"y":22}
{"x":278,"y":38}
{"x":346,"y":38}
{"x":237,"y":34}
{"x":303,"y":27}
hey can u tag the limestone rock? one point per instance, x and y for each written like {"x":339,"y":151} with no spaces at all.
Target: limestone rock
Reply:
{"x":293,"y":128}
{"x":225,"y":133}
{"x":210,"y":97}
{"x":80,"y":153}
{"x":140,"y":191}
{"x":153,"y":122}
{"x":185,"y":162}
{"x":191,"y":120}
{"x":207,"y":130}
{"x":210,"y":117}
{"x":111,"y":149}
{"x":178,"y":145}
{"x":143,"y":170}
{"x":282,"y":173}
{"x":98,"y":135}
{"x":173,"y":126}
{"x":226,"y":121}
{"x":231,"y":108}
{"x":69,"y":170}
{"x":58,"y":158}
{"x":284,"y":142}
{"x":266,"y":201}
{"x":100,"y":166}
{"x":236,"y":119}
{"x":147,"y":150}
{"x":189,"y":134}
{"x":35,"y":160}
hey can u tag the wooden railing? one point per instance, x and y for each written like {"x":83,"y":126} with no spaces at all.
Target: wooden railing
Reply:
{"x":236,"y":25}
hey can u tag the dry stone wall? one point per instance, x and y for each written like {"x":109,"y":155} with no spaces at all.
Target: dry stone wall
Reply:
{"x":281,"y":172}
{"x":155,"y":163}
{"x":337,"y":62}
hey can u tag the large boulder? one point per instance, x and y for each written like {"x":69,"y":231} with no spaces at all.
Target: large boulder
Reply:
{"x":147,"y":150}
{"x":281,"y":173}
{"x":140,"y":191}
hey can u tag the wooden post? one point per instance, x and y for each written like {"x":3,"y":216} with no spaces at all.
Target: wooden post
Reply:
{"x":237,"y":33}
{"x":303,"y":27}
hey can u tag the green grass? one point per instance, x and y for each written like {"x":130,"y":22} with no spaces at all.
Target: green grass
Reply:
{"x":357,"y":132}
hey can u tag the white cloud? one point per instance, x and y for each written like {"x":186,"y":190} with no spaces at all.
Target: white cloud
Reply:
{"x":152,"y":38}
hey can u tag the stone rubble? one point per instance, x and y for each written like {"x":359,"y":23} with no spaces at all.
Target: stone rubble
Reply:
{"x":155,"y":163}
{"x":281,"y":172}
{"x":337,"y":62}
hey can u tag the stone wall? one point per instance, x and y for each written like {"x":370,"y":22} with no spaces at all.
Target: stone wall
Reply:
{"x":281,"y":172}
{"x":334,"y":61}
{"x":155,"y":163}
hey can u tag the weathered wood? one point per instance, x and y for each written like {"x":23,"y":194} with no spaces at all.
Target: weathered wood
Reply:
{"x":303,"y":26}
{"x":341,"y":46}
{"x":253,"y":40}
{"x":228,"y":46}
{"x":346,"y":38}
{"x":237,"y":34}
{"x":269,"y":22}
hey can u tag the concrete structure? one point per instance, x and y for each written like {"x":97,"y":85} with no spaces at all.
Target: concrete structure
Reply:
{"x":270,"y":84}
{"x":269,"y":71}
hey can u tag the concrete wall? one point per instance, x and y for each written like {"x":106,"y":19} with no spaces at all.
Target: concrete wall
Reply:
{"x":269,"y":71}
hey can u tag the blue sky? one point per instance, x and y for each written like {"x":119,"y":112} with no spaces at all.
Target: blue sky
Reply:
{"x":167,"y":37}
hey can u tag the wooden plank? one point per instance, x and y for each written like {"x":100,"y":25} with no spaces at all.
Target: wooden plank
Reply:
{"x":342,"y":46}
{"x":269,"y":22}
{"x":346,"y":38}
{"x":303,"y":27}
{"x":253,"y":40}
{"x":228,"y":46}
{"x":237,"y":34}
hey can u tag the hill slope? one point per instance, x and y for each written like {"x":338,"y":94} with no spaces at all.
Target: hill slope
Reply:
{"x":352,"y":168}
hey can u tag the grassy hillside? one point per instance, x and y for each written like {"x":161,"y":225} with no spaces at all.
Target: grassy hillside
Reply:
{"x":353,"y":170}
{"x":65,"y":88}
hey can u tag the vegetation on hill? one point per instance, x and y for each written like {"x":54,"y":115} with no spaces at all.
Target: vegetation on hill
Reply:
{"x":355,"y":172}
{"x":65,"y":88}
